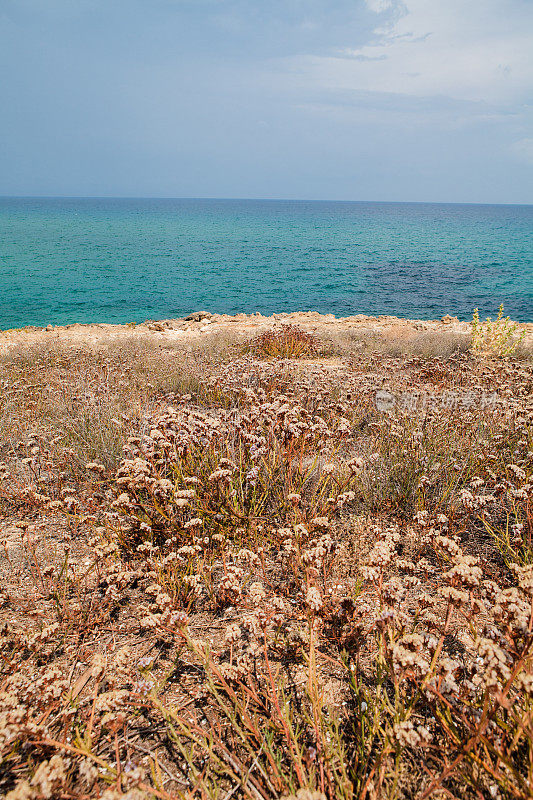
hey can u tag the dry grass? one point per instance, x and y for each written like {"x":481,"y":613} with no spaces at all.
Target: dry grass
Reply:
{"x":230,"y":577}
{"x":423,"y":344}
{"x":288,"y":341}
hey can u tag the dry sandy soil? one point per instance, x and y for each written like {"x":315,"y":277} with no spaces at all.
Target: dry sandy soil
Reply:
{"x":200,"y":324}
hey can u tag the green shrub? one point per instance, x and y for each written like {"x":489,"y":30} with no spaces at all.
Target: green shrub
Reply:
{"x":495,"y":338}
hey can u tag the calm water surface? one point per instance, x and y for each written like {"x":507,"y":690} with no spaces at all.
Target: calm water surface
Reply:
{"x":122,"y":260}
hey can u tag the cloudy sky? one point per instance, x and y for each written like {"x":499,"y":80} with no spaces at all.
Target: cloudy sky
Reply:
{"x":320,"y":99}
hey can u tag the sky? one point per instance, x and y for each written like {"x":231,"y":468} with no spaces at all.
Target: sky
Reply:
{"x":412,"y":100}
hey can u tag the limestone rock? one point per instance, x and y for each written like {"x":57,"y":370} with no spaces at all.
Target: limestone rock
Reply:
{"x":198,"y":316}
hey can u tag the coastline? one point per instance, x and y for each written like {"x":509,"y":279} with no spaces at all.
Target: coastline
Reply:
{"x":199,"y":325}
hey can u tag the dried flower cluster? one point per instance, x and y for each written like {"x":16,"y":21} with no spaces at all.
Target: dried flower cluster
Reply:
{"x":254,"y":583}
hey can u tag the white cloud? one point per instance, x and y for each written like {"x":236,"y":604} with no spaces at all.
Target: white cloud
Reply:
{"x":379,"y":5}
{"x":475,"y":50}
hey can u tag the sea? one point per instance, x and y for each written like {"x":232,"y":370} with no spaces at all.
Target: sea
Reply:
{"x":67,"y":260}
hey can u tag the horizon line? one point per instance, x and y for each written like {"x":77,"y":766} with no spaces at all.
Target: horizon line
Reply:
{"x":251,"y":199}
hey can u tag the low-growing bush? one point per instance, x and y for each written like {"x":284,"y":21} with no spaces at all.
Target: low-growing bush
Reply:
{"x":289,"y":341}
{"x":499,"y":338}
{"x":286,"y":588}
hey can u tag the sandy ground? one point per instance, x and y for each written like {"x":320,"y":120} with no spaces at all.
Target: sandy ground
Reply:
{"x":200,"y":324}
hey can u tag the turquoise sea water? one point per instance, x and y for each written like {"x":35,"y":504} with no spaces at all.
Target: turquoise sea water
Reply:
{"x":122,"y":260}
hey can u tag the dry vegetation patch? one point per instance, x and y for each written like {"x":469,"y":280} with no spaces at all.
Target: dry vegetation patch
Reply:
{"x":287,"y":341}
{"x":225,"y":576}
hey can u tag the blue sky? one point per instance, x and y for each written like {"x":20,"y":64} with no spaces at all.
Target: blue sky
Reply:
{"x":320,"y":99}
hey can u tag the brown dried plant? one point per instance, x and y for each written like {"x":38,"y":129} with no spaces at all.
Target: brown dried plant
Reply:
{"x":231,"y":577}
